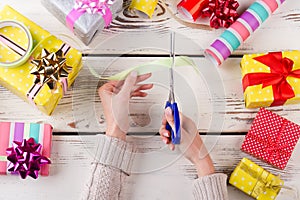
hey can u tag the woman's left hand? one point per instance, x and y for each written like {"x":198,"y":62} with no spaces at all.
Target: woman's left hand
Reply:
{"x":115,"y":96}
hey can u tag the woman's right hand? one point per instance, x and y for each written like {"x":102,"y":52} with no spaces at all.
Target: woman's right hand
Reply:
{"x":191,"y":144}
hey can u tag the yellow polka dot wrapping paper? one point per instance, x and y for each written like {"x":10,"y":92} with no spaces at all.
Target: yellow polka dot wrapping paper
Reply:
{"x":145,"y":6}
{"x":255,"y":181}
{"x":271,"y":138}
{"x":19,"y":80}
{"x":271,"y":79}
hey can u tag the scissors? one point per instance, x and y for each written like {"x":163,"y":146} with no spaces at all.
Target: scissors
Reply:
{"x":176,"y":133}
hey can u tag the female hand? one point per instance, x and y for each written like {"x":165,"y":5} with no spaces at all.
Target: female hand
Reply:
{"x":115,"y":96}
{"x":191,"y":144}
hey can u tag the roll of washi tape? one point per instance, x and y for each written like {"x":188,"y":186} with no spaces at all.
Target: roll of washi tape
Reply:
{"x":240,"y":30}
{"x":24,"y":54}
{"x":191,"y":8}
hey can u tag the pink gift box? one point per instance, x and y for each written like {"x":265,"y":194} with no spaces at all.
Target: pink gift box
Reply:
{"x":15,"y":131}
{"x":271,"y":138}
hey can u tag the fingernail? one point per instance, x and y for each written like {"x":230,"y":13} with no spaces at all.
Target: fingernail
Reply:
{"x":168,"y":111}
{"x":165,"y":140}
{"x":166,"y":134}
{"x":133,"y":74}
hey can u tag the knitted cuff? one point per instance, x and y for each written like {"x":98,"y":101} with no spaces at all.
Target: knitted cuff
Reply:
{"x":211,"y":187}
{"x":115,"y":153}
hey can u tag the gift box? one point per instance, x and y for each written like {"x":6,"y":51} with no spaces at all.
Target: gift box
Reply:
{"x":271,"y":79}
{"x":255,"y":181}
{"x":28,"y":81}
{"x":15,"y":131}
{"x":271,"y":138}
{"x":84,"y":17}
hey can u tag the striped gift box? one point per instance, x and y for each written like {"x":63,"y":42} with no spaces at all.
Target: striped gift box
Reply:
{"x":15,"y":131}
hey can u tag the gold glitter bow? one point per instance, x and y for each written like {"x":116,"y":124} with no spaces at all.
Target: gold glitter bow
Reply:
{"x":50,"y":68}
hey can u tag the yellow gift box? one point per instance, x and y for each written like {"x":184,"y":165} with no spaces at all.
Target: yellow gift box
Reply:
{"x":271,"y":79}
{"x":19,"y":79}
{"x":255,"y":181}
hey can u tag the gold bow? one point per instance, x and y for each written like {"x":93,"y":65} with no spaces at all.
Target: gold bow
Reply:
{"x":50,"y":68}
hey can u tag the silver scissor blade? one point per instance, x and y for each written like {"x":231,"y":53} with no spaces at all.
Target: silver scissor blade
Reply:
{"x":172,"y":55}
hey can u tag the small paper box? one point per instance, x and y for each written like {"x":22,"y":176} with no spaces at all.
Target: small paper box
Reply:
{"x":271,"y":79}
{"x":19,"y":80}
{"x":255,"y":181}
{"x":86,"y":26}
{"x":271,"y":138}
{"x":15,"y":131}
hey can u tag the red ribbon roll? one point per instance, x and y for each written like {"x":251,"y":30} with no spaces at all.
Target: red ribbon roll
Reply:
{"x":281,"y":68}
{"x":192,"y":8}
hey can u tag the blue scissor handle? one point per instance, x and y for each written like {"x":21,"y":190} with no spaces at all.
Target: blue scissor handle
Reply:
{"x":174,"y":137}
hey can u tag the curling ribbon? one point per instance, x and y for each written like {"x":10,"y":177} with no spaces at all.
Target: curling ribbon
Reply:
{"x":157,"y":65}
{"x":50,"y":69}
{"x":280,"y":68}
{"x":240,"y":30}
{"x":101,"y":7}
{"x":23,"y":53}
{"x":145,"y":6}
{"x":192,"y":8}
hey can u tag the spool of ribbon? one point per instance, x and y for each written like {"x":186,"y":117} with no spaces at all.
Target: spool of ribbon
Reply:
{"x":281,"y":69}
{"x":51,"y":69}
{"x":21,"y":51}
{"x":192,"y":8}
{"x":145,"y":6}
{"x":92,"y":7}
{"x":240,"y":30}
{"x":222,"y":13}
{"x":25,"y":158}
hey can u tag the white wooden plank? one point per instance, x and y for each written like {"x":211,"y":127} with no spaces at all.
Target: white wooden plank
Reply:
{"x":214,"y":99}
{"x":278,"y":33}
{"x":71,"y":157}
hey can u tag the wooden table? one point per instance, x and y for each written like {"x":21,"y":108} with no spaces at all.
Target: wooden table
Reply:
{"x":214,"y":99}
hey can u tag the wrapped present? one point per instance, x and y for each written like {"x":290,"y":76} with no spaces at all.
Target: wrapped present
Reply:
{"x":271,"y":138}
{"x":255,"y":181}
{"x":50,"y":70}
{"x":271,"y":79}
{"x":13,"y":135}
{"x":84,"y":17}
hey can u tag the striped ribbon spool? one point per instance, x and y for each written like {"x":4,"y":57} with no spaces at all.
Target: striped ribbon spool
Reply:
{"x":239,"y":31}
{"x":15,"y":131}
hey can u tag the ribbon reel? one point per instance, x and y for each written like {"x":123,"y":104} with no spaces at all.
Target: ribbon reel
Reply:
{"x":22,"y":52}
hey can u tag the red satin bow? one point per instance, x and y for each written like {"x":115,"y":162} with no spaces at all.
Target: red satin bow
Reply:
{"x":281,"y":68}
{"x":222,"y":13}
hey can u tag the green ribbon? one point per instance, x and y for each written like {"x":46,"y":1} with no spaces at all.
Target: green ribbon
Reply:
{"x":157,"y":65}
{"x":3,"y":158}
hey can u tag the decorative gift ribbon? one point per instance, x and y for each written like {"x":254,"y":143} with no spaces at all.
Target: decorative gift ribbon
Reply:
{"x":24,"y":53}
{"x":274,"y":147}
{"x":101,"y":7}
{"x":192,"y":8}
{"x":241,"y":30}
{"x":222,"y":13}
{"x":281,"y":69}
{"x":25,"y":158}
{"x":263,"y":181}
{"x":50,"y":69}
{"x":157,"y":65}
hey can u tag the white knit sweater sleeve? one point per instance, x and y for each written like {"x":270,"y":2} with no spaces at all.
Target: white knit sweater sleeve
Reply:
{"x":211,"y":187}
{"x":112,"y":162}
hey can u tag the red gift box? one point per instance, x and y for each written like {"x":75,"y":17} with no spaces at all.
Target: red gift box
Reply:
{"x":271,"y":138}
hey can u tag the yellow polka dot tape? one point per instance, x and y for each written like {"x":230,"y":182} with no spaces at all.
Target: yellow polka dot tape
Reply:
{"x":11,"y":43}
{"x":145,"y":6}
